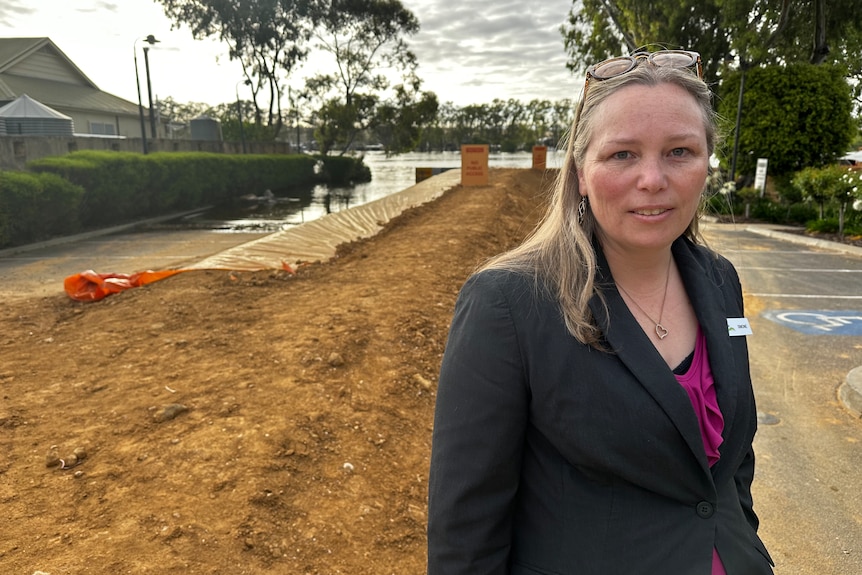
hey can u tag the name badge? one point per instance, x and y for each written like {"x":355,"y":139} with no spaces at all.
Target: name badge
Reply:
{"x":737,"y":326}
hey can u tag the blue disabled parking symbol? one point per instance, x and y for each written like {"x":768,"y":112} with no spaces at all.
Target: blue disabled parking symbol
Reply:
{"x":819,"y":322}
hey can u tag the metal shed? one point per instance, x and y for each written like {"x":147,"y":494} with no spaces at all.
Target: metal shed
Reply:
{"x":26,"y":117}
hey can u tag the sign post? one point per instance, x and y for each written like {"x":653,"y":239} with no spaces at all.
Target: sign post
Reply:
{"x":474,"y":165}
{"x":760,"y":176}
{"x":540,"y":157}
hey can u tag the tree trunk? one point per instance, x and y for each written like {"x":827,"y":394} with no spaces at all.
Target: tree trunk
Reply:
{"x":821,"y":47}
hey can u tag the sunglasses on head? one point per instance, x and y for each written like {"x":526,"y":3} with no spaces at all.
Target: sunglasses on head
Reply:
{"x":614,"y":67}
{"x":624,"y":64}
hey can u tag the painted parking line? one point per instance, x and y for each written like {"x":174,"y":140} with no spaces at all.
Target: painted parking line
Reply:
{"x":801,"y":270}
{"x":819,"y":322}
{"x":802,"y":295}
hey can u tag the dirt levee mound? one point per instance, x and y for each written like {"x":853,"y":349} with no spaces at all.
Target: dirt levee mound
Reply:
{"x":238,"y":422}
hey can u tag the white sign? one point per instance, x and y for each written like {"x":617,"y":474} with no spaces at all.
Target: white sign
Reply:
{"x":760,"y":175}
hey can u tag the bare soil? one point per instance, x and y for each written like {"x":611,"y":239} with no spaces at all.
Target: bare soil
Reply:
{"x":238,"y":423}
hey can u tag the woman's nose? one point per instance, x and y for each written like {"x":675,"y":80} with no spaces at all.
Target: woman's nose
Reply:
{"x":652,"y":175}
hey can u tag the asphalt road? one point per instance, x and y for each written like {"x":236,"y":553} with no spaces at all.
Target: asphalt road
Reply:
{"x":40,"y":269}
{"x":805,"y":308}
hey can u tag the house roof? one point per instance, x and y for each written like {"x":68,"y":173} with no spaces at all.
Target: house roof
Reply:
{"x":63,"y":95}
{"x":38,"y":68}
{"x":27,"y":107}
{"x":13,"y":51}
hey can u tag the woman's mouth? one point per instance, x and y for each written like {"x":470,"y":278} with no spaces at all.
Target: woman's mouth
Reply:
{"x":652,"y":212}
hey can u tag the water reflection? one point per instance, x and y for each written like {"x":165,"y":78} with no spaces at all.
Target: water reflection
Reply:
{"x":389,"y":175}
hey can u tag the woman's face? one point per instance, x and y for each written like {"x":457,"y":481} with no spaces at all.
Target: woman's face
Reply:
{"x":645,"y":167}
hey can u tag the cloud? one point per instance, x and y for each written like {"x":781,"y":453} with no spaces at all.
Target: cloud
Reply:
{"x":9,"y":9}
{"x":488,"y":48}
{"x":100,"y":6}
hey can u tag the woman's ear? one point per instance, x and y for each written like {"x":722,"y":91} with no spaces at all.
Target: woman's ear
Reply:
{"x":582,"y":185}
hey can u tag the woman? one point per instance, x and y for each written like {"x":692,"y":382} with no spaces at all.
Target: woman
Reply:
{"x":593,"y":414}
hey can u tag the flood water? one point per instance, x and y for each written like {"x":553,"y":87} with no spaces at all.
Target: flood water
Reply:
{"x":388,"y":176}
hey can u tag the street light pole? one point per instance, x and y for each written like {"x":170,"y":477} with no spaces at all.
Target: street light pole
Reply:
{"x":295,"y":119}
{"x":239,"y":113}
{"x":742,"y":67}
{"x":150,"y":39}
{"x":140,"y":104}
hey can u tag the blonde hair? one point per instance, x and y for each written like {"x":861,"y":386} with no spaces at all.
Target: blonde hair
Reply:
{"x":559,"y":253}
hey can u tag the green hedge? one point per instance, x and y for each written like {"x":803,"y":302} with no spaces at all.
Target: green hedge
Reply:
{"x":34,"y":207}
{"x":93,"y":189}
{"x":122,"y":186}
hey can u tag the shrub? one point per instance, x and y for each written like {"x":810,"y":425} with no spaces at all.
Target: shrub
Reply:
{"x":344,"y":170}
{"x":824,"y":226}
{"x":125,"y":186}
{"x":35,"y":207}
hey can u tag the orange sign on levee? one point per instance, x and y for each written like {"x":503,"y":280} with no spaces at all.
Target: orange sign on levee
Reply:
{"x":474,"y":165}
{"x":540,"y":157}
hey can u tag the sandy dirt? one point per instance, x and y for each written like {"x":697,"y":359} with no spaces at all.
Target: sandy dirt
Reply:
{"x":239,"y":423}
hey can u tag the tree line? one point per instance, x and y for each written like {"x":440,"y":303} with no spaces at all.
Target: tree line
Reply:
{"x":506,"y":125}
{"x":787,"y":74}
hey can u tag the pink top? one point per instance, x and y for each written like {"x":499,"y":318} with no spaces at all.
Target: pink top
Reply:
{"x":700,"y":387}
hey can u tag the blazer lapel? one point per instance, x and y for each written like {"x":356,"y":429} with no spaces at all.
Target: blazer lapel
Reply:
{"x":639,"y":355}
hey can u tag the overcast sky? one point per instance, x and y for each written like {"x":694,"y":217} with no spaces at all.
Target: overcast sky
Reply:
{"x":469,"y":51}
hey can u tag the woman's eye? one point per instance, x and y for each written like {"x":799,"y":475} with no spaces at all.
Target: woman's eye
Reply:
{"x":678,"y":152}
{"x":621,"y":155}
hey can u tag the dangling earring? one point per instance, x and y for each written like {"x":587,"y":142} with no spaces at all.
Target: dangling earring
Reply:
{"x":582,"y":209}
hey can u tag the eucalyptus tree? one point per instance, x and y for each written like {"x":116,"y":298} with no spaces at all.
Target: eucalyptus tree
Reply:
{"x":401,"y":121}
{"x":182,"y":112}
{"x":813,"y":31}
{"x":599,"y":29}
{"x":735,"y":37}
{"x":747,"y":32}
{"x":562,"y":116}
{"x":538,"y":120}
{"x":515,"y":126}
{"x":268,"y":37}
{"x":364,"y":39}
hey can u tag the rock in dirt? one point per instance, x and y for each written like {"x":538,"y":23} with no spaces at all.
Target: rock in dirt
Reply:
{"x":169,"y":412}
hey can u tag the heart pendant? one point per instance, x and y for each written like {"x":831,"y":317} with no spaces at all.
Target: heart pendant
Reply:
{"x":660,"y":331}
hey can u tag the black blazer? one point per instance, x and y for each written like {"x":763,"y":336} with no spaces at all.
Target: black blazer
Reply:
{"x":551,"y":457}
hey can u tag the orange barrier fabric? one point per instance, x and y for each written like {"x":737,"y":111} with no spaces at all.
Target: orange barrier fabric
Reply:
{"x":91,"y":286}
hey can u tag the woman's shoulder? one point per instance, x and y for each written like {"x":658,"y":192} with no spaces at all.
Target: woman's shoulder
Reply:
{"x":491,"y":282}
{"x":505,"y":279}
{"x":511,"y":284}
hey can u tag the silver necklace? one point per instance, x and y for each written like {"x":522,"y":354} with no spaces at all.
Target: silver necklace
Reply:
{"x":660,"y":330}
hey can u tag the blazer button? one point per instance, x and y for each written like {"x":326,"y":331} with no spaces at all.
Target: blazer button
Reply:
{"x":705,"y":509}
